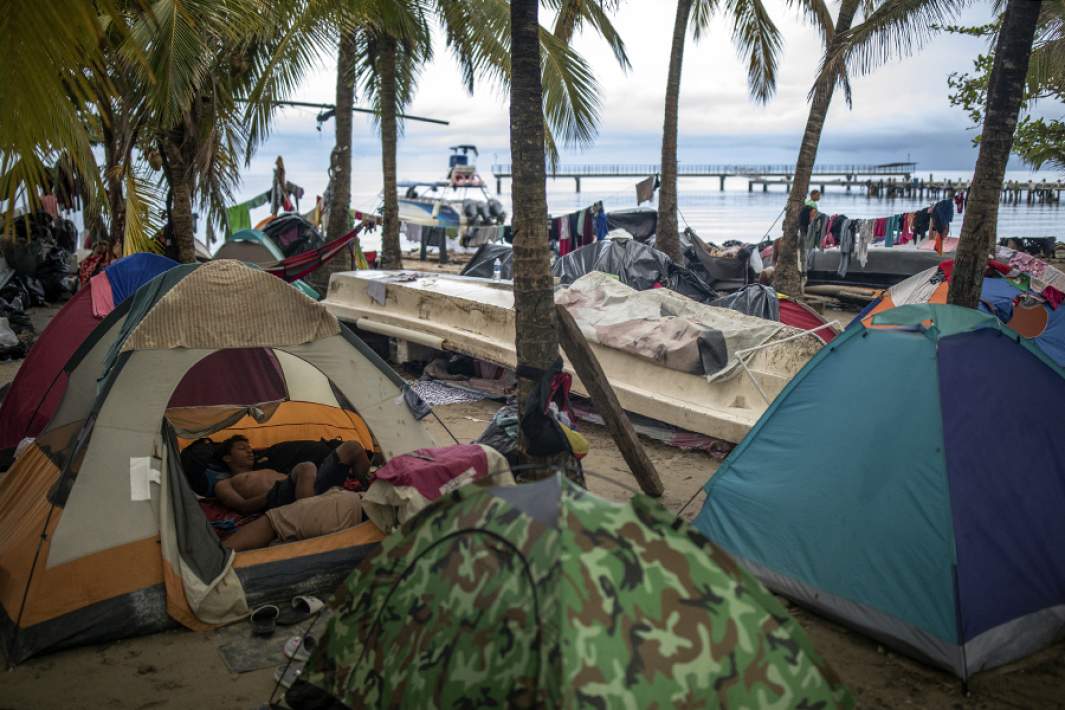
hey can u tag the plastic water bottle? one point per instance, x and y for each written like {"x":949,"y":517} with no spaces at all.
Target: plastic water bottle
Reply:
{"x":497,"y":270}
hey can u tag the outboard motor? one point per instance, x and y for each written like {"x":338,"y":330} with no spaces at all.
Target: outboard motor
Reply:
{"x":469,"y":210}
{"x":496,"y":212}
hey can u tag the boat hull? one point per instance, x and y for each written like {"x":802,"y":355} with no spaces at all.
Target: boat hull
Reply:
{"x":476,"y":317}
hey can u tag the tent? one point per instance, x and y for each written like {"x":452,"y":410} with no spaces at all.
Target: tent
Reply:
{"x":1028,"y":303}
{"x":909,"y":483}
{"x":256,"y":247}
{"x":543,"y":595}
{"x":100,"y":534}
{"x":38,"y":386}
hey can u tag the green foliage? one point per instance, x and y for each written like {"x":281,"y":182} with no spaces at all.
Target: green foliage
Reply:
{"x":1038,"y":141}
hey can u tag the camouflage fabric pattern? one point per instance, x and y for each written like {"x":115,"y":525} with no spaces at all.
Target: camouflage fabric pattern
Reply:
{"x":477,"y":603}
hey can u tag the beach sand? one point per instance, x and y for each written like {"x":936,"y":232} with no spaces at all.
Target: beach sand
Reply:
{"x":183,"y":669}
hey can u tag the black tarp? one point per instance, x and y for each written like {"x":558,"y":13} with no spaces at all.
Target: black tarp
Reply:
{"x":754,"y":300}
{"x":640,"y":222}
{"x":483,"y":260}
{"x":635,"y":264}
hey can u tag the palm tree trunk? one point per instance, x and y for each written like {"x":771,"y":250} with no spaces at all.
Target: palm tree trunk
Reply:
{"x":536,"y":336}
{"x":339,"y":206}
{"x":1005,"y":92}
{"x":116,"y":202}
{"x":181,"y":177}
{"x":666,"y":235}
{"x":391,"y":255}
{"x":786,"y":277}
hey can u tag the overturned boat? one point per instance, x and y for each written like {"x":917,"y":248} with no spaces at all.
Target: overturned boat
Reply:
{"x":701,"y":368}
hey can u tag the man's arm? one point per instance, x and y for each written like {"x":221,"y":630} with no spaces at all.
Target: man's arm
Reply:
{"x":229,"y":497}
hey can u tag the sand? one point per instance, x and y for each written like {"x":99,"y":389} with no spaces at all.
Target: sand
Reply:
{"x":182,"y":669}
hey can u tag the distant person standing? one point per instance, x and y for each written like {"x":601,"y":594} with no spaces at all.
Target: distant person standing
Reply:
{"x":809,"y":211}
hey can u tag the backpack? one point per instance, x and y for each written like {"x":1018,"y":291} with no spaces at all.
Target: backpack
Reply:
{"x":196,"y":458}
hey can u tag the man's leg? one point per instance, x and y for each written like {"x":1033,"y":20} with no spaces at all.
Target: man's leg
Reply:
{"x":304,"y":475}
{"x":347,"y":460}
{"x":258,"y":533}
{"x":352,"y":455}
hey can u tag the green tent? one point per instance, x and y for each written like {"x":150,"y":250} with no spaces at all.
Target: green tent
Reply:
{"x":256,"y":247}
{"x":545,"y":595}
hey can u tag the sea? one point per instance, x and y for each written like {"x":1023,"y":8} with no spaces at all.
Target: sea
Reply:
{"x":735,"y":213}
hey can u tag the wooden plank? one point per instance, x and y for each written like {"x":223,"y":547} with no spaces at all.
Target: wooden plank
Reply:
{"x":606,"y":403}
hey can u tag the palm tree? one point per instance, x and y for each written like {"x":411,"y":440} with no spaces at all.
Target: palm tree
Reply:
{"x":758,"y":41}
{"x":50,"y":60}
{"x":477,"y":33}
{"x":536,"y":334}
{"x":337,"y":209}
{"x":1005,"y":93}
{"x":786,"y":278}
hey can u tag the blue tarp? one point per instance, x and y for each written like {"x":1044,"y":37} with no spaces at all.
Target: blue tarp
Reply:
{"x":131,"y":272}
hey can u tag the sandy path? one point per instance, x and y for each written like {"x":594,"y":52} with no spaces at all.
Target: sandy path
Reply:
{"x":181,"y":669}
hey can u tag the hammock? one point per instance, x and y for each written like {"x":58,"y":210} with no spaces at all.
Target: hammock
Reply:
{"x":297,"y":266}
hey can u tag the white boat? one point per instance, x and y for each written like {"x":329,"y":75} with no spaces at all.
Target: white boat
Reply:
{"x":476,"y":317}
{"x":462,"y":200}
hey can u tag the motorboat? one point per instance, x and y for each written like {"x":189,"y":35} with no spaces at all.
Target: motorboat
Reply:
{"x":461,"y":200}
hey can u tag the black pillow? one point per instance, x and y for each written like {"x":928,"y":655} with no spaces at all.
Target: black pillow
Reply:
{"x":196,"y":458}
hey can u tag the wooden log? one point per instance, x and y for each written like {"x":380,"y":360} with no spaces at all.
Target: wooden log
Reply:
{"x":606,"y":403}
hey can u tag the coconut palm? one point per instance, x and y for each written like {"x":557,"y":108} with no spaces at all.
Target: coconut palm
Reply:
{"x":1005,"y":93}
{"x":786,"y":277}
{"x":51,"y":56}
{"x":536,"y":334}
{"x":477,"y":34}
{"x":892,"y":28}
{"x":757,"y":40}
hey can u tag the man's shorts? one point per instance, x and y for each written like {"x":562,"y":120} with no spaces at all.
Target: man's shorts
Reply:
{"x":334,"y":510}
{"x":331,"y":473}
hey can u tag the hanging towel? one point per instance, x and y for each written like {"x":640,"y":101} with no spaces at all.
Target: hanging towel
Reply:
{"x":601,"y":226}
{"x":645,"y":190}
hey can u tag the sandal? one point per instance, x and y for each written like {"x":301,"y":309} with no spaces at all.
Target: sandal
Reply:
{"x":302,"y":608}
{"x":264,"y":620}
{"x":300,"y":649}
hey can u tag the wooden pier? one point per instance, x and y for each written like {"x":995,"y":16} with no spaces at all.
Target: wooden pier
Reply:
{"x":1013,"y":192}
{"x":902,"y":171}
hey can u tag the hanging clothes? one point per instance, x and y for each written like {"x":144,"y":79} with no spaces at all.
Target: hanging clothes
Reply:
{"x":846,"y":246}
{"x":238,"y":217}
{"x":864,"y":240}
{"x":565,"y":239}
{"x":601,"y":225}
{"x":645,"y":189}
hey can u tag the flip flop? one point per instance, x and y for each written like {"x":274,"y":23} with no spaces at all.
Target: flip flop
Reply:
{"x":285,"y":676}
{"x":300,"y":649}
{"x":264,"y":620}
{"x":302,"y":608}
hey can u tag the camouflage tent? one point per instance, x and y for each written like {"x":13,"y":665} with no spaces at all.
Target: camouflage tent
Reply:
{"x":545,"y":595}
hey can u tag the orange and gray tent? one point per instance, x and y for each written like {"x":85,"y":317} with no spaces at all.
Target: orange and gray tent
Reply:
{"x":101,"y":536}
{"x":1026,"y":294}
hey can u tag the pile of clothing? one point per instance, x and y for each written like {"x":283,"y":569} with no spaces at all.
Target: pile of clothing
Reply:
{"x":853,"y":237}
{"x":577,"y":229}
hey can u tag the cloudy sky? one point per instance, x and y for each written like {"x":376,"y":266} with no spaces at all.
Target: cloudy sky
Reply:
{"x":900,"y":112}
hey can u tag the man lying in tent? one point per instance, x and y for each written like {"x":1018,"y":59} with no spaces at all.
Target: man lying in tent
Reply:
{"x":329,"y":512}
{"x":246,"y":489}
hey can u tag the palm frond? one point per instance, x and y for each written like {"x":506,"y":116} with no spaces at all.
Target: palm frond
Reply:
{"x":51,"y":55}
{"x":758,"y":42}
{"x":817,"y":13}
{"x":571,"y":93}
{"x":897,"y":28}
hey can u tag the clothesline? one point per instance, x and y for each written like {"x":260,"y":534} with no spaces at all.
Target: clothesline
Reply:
{"x":577,"y":229}
{"x":853,"y":237}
